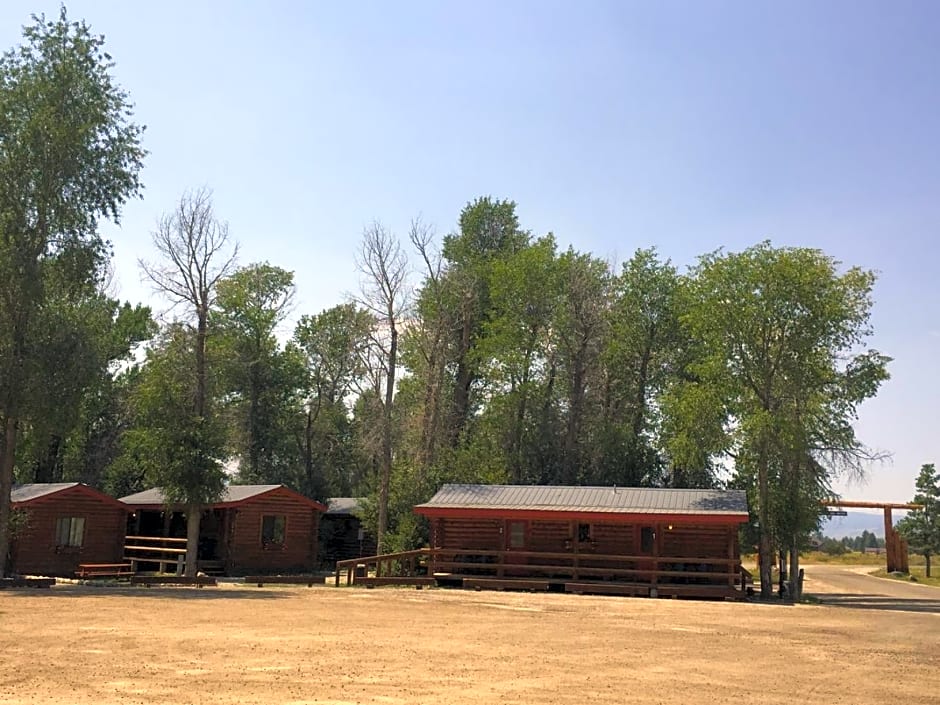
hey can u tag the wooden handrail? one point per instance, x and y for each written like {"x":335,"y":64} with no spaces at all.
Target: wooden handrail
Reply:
{"x":158,"y":549}
{"x":574,"y":564}
{"x":155,"y":538}
{"x":385,"y":556}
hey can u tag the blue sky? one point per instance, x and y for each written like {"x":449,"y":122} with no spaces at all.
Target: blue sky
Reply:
{"x":616,"y":125}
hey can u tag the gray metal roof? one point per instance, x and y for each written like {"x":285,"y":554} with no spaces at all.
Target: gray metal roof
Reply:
{"x":615,"y":500}
{"x":26,"y":493}
{"x":343,"y":505}
{"x":232,"y":493}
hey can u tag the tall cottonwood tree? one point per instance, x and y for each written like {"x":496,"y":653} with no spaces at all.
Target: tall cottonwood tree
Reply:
{"x":383,"y":267}
{"x":332,"y":346}
{"x":783,"y":368}
{"x":70,"y":155}
{"x":196,"y":254}
{"x":259,"y":380}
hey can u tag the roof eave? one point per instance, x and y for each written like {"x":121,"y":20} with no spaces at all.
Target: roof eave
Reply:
{"x":609,"y":517}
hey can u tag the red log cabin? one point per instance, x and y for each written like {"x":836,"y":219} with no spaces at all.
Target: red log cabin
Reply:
{"x":619,"y":540}
{"x":251,"y":530}
{"x":62,"y":525}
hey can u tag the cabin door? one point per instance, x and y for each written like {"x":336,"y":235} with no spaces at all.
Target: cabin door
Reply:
{"x":647,"y":544}
{"x":516,"y":541}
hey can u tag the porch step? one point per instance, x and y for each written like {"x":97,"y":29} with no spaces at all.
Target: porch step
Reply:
{"x":605,"y":588}
{"x":505,"y":584}
{"x":394,"y":580}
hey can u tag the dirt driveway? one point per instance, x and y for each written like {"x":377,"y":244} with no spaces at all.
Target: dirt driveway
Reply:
{"x":848,"y":586}
{"x":237,"y":644}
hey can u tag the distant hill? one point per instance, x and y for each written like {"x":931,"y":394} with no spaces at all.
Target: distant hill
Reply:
{"x":855,"y":522}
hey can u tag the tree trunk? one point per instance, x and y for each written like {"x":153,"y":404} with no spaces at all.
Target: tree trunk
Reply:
{"x":193,"y":520}
{"x":386,"y":468}
{"x":763,"y":517}
{"x":201,"y":387}
{"x":795,"y":587}
{"x":7,"y":456}
{"x":639,"y":412}
{"x":575,"y":410}
{"x":927,"y":566}
{"x":464,"y":380}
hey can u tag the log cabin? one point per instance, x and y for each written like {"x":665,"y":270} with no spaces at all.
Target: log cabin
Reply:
{"x":619,"y":540}
{"x":62,"y":525}
{"x":251,"y":530}
{"x":342,"y":534}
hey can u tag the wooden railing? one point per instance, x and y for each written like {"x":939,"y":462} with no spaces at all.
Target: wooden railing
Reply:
{"x":168,"y":553}
{"x":449,"y":563}
{"x":404,"y":564}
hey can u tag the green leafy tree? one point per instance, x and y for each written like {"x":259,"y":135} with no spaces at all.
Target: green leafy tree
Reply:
{"x":488,"y":232}
{"x":516,"y":344}
{"x":169,"y":443}
{"x":70,"y":435}
{"x":640,"y":359}
{"x":782,"y":334}
{"x":582,"y":328}
{"x":332,"y":347}
{"x":921,"y":527}
{"x":259,"y":380}
{"x":69,"y":156}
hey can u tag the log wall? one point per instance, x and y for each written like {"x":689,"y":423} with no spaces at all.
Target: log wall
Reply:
{"x":246,"y":553}
{"x":34,"y":549}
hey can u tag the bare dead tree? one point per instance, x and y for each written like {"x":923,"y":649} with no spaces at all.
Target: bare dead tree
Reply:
{"x":383,"y":267}
{"x":195,"y":254}
{"x":432,"y":322}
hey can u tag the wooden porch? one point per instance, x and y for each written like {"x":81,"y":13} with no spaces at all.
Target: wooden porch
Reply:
{"x":652,"y":576}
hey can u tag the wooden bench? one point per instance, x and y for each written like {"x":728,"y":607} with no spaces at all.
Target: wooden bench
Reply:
{"x":104,"y":570}
{"x":150,"y":580}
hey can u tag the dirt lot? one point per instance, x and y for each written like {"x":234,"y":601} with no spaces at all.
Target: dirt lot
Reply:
{"x":237,"y":644}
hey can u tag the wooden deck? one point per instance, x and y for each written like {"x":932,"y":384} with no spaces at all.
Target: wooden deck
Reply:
{"x":647,"y":576}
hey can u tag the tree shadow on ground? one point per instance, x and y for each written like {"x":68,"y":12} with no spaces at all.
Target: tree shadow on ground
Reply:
{"x":207,"y":594}
{"x":879,"y":602}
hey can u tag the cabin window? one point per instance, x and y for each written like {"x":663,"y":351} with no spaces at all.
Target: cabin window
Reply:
{"x":517,"y":534}
{"x":647,"y":536}
{"x":69,"y":531}
{"x":272,"y":530}
{"x":584,"y":533}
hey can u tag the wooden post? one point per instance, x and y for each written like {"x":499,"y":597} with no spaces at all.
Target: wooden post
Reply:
{"x":436,"y":542}
{"x":657,"y":537}
{"x":903,"y":553}
{"x":890,"y":547}
{"x":732,"y":534}
{"x":576,"y":545}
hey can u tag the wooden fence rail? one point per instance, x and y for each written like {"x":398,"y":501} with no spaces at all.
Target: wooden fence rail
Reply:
{"x":425,"y":564}
{"x":169,"y":554}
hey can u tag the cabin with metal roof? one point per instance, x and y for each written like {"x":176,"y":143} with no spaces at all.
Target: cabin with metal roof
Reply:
{"x":342,"y":533}
{"x":250,"y":530}
{"x":621,"y":540}
{"x":59,"y":526}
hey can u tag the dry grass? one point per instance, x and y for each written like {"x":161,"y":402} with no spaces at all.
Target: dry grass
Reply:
{"x":917,"y":572}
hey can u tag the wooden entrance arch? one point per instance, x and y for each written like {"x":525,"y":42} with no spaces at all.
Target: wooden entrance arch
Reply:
{"x":895,"y":544}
